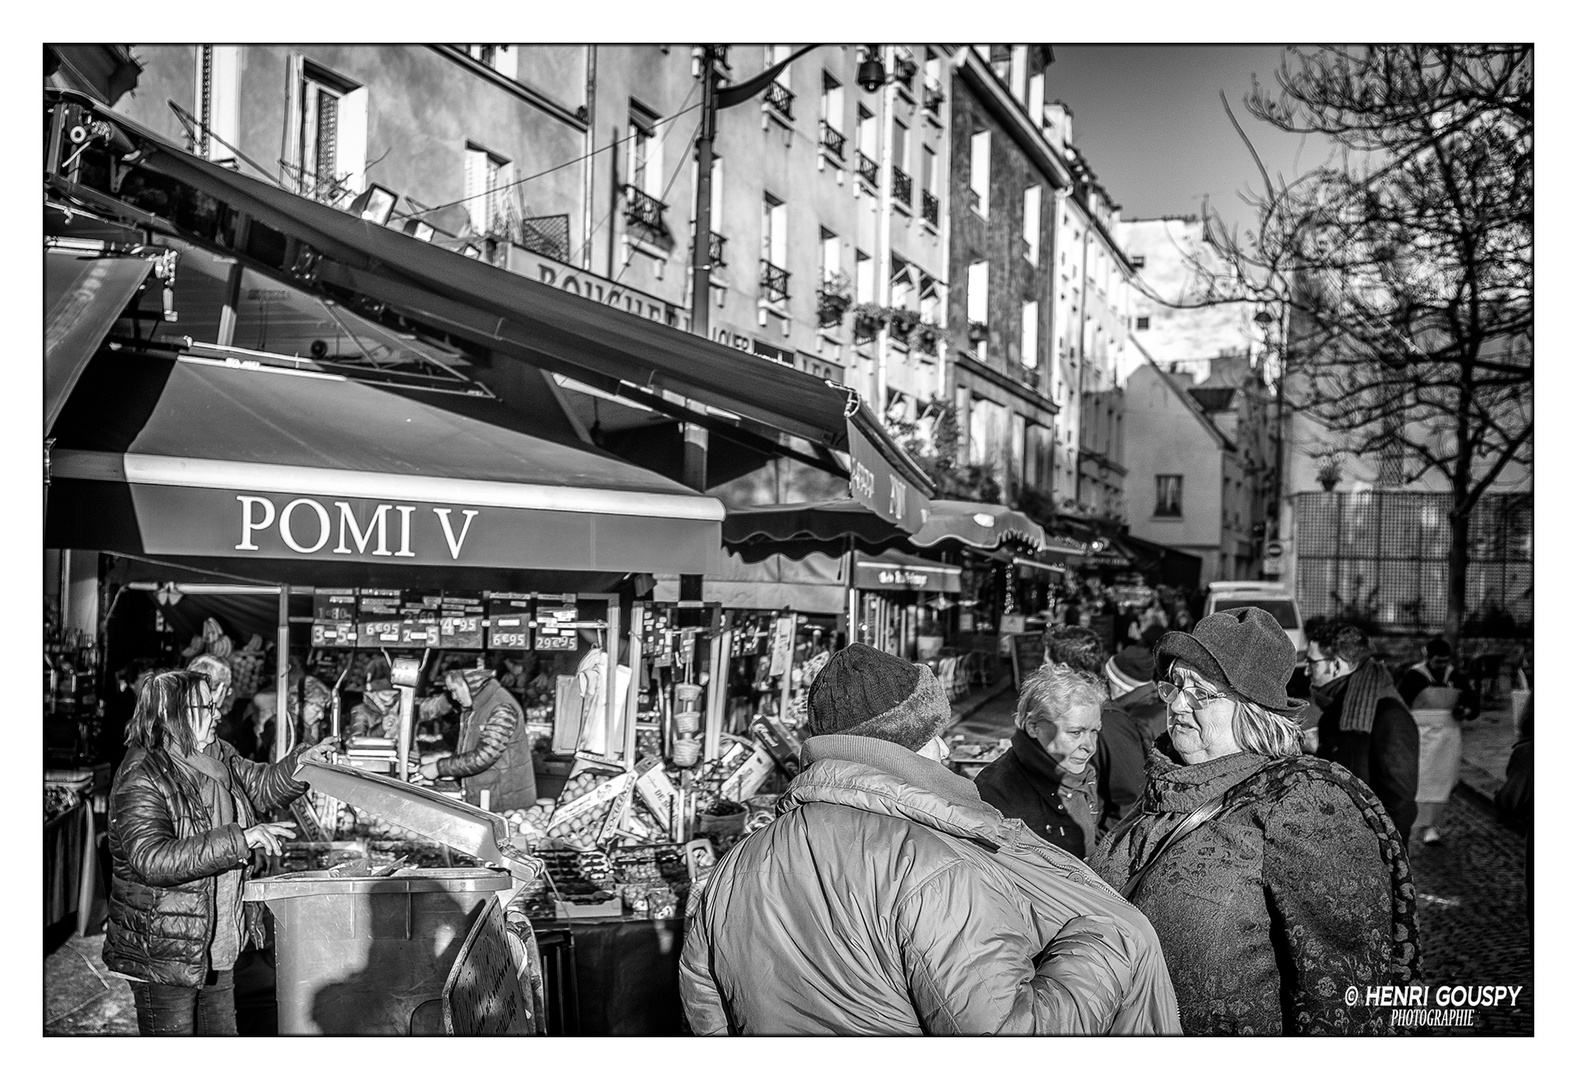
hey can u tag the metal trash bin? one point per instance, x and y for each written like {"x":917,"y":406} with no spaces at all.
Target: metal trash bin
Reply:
{"x":360,"y":955}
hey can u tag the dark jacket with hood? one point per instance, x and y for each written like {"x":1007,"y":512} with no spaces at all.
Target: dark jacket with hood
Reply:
{"x":166,"y":858}
{"x":1027,"y":783}
{"x":888,"y":899}
{"x":1385,"y":757}
{"x":492,"y":751}
{"x":1271,"y":911}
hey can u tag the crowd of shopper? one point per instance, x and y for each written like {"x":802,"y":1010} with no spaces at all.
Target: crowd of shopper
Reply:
{"x":1255,"y":846}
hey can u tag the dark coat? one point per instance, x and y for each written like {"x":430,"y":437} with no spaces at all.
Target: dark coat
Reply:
{"x":1415,"y":679}
{"x":1025,"y":783}
{"x":1130,"y":725}
{"x":1270,"y":912}
{"x":166,"y":857}
{"x":493,"y":752}
{"x":1385,"y":757}
{"x":888,"y":899}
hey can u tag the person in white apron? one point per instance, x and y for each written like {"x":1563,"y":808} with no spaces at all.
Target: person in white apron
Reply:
{"x":1440,"y":699}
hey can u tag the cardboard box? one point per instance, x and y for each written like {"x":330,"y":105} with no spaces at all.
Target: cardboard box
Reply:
{"x":745,"y":780}
{"x":777,"y":742}
{"x":657,"y":791}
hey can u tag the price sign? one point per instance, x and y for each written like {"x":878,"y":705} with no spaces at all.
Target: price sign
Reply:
{"x":508,"y":632}
{"x":460,"y":632}
{"x":380,"y":632}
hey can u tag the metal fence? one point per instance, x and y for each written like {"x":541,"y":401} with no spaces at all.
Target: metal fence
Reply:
{"x":1382,"y":555}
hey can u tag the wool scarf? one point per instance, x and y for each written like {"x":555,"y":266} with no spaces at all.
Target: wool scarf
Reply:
{"x":1367,"y":686}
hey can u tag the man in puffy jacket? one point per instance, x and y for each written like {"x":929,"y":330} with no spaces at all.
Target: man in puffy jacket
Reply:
{"x":887,"y":898}
{"x":492,"y":753}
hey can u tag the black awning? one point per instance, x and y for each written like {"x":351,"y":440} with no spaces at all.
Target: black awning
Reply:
{"x":215,"y":460}
{"x":558,"y":331}
{"x":83,"y":296}
{"x":795,"y":530}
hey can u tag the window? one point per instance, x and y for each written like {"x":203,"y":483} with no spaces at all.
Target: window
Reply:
{"x":1029,"y":335}
{"x":830,"y":256}
{"x":779,"y":96}
{"x":646,"y":152}
{"x":864,"y":278}
{"x":774,"y":248}
{"x":486,"y":191}
{"x":928,"y":170}
{"x":501,"y":58}
{"x":1032,"y":224}
{"x":977,"y":281}
{"x":1015,"y":449}
{"x":1037,"y":100}
{"x":832,"y":116}
{"x":1018,"y":71}
{"x":980,"y":172}
{"x":332,"y":149}
{"x":1142,"y":323}
{"x":900,"y":145}
{"x":1168,"y":495}
{"x":218,"y":96}
{"x":1038,"y":463}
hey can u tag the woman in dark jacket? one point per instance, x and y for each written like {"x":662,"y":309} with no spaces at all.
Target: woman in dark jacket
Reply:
{"x":1296,"y":887}
{"x":1046,"y":778}
{"x":183,"y":825}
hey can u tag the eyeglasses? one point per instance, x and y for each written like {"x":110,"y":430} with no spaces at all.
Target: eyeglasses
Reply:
{"x":1191,"y":698}
{"x":1315,"y":661}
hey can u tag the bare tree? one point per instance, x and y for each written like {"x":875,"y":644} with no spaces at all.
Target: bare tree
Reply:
{"x":1405,"y":262}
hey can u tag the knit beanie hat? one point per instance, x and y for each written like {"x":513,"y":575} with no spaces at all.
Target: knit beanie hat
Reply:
{"x":864,"y":691}
{"x":1130,"y":669}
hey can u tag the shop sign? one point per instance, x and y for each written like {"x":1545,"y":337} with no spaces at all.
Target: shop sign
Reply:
{"x":891,"y":577}
{"x":216,"y":522}
{"x":597,"y":289}
{"x":876,"y":485}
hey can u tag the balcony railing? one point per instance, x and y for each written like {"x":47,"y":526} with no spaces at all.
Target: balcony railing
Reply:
{"x":866,"y":167}
{"x":774,"y":282}
{"x":930,"y":207}
{"x":832,"y":141}
{"x":548,"y":235}
{"x":933,"y":96}
{"x":714,"y":249}
{"x":781,"y":99}
{"x":903,"y":186}
{"x":643,"y":209}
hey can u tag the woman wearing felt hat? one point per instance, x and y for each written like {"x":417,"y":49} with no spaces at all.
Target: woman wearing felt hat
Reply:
{"x":1274,"y":880}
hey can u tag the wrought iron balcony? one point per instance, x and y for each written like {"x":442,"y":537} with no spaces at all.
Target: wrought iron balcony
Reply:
{"x":774,"y":282}
{"x":933,"y":96}
{"x":903,"y":186}
{"x":714,"y":249}
{"x":644,"y":209}
{"x":930,"y":207}
{"x":832,"y":141}
{"x":866,"y":167}
{"x":781,"y":99}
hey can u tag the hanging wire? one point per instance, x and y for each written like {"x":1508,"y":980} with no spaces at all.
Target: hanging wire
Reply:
{"x":663,"y":198}
{"x":545,"y":172}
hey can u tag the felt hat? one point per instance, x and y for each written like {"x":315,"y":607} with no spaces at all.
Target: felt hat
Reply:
{"x":1243,"y":650}
{"x":864,"y":691}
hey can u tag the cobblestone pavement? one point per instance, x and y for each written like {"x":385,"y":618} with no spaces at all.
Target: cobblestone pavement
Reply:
{"x":1472,"y":924}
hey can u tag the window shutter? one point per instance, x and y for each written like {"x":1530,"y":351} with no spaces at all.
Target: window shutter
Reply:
{"x":475,"y":182}
{"x":350,"y":144}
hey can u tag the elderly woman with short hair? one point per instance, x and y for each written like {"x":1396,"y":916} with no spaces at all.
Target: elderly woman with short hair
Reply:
{"x":1275,"y":880}
{"x":1046,"y":777}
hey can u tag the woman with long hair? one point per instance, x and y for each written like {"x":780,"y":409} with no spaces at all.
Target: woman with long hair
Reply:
{"x":184,"y":822}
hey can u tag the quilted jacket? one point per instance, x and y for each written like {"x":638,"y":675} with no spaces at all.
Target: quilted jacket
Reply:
{"x":493,"y":752}
{"x":1271,"y":911}
{"x":166,"y":857}
{"x":887,"y":899}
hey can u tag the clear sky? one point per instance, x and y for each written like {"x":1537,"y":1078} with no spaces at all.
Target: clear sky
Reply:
{"x":1149,"y":120}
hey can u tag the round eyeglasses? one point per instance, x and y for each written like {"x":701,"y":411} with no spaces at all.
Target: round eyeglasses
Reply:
{"x":1191,"y":698}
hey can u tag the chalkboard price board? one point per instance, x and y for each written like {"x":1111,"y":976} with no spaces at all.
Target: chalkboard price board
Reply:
{"x":1029,"y":652}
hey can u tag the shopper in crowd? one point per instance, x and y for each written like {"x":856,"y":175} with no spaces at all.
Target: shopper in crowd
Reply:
{"x":492,"y":756}
{"x":1077,"y":646}
{"x":887,"y":899}
{"x":183,"y":824}
{"x":1514,"y":802}
{"x":1364,"y":725}
{"x":1292,"y":883}
{"x":308,"y":705}
{"x":1440,"y":699}
{"x":1046,"y":777}
{"x":377,"y":714}
{"x":1131,"y":722}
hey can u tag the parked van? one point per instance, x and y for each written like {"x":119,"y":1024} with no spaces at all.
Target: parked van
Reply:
{"x":1272,"y":596}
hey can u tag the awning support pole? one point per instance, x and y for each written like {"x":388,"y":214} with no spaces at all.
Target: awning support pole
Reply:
{"x":284,"y":724}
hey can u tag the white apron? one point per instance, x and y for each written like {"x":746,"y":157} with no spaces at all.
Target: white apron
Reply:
{"x":1439,"y":743}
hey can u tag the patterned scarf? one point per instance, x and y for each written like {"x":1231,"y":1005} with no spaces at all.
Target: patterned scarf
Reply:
{"x":1367,"y":686}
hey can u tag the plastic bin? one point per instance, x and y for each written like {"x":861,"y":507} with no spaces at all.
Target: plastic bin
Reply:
{"x":359,"y":955}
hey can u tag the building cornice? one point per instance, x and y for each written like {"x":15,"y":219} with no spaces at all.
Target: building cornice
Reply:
{"x":519,"y":89}
{"x":996,"y":378}
{"x":990,"y":92}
